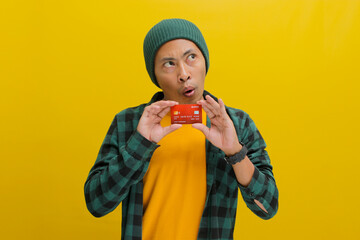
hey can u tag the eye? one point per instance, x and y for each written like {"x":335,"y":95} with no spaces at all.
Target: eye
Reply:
{"x":191,"y":57}
{"x":169,"y":64}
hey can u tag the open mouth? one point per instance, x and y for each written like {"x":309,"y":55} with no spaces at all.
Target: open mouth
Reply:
{"x":188,"y":92}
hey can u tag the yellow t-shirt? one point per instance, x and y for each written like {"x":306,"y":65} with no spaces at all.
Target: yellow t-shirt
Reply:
{"x":175,"y":185}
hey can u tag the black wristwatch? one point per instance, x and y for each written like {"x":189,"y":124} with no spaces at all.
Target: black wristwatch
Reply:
{"x":238,"y":157}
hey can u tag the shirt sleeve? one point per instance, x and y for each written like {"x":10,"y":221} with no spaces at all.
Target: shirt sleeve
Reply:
{"x":119,"y":165}
{"x":262,"y":186}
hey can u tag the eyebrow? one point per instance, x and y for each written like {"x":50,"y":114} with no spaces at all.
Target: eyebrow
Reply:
{"x":171,"y":58}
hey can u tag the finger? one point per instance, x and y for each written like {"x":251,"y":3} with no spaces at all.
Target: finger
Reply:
{"x":222,"y":106}
{"x":165,"y":103}
{"x":204,"y":129}
{"x":209,"y":113}
{"x":163,"y":112}
{"x":171,"y":128}
{"x":214,"y":117}
{"x":154,"y":110}
{"x":206,"y":108}
{"x":212,"y":105}
{"x":212,"y":102}
{"x":225,"y":116}
{"x":158,"y":107}
{"x":149,"y":111}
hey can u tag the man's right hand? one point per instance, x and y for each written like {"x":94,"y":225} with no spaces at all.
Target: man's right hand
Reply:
{"x":149,"y":124}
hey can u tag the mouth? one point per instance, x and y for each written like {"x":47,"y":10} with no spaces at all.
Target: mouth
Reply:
{"x":188,"y":91}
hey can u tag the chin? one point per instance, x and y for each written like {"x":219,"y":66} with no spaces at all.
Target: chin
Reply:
{"x":191,"y":100}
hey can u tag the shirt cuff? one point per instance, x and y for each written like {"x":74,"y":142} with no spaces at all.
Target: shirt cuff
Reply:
{"x":254,"y":189}
{"x":140,"y":147}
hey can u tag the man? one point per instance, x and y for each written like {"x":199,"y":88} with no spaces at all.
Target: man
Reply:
{"x":180,"y":181}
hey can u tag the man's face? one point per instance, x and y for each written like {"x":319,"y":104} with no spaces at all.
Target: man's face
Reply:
{"x":180,"y":71}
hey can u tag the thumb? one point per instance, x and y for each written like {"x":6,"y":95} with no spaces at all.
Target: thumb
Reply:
{"x":171,"y":128}
{"x":204,"y":129}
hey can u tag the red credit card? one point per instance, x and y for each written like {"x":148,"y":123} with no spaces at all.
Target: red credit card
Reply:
{"x":186,"y":114}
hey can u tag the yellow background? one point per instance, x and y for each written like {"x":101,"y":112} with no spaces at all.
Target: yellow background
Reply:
{"x":67,"y":67}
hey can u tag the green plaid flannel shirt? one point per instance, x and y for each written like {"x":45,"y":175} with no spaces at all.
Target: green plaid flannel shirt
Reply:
{"x":124,"y":158}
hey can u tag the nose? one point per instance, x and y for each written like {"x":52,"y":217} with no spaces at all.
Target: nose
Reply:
{"x":184,"y":73}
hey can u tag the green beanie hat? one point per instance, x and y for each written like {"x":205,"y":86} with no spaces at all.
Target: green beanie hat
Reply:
{"x":167,"y":30}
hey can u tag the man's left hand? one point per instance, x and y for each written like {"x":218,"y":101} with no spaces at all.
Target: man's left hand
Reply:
{"x":222,"y":133}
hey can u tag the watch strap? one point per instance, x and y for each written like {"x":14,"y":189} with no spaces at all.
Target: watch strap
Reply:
{"x":237,"y":157}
